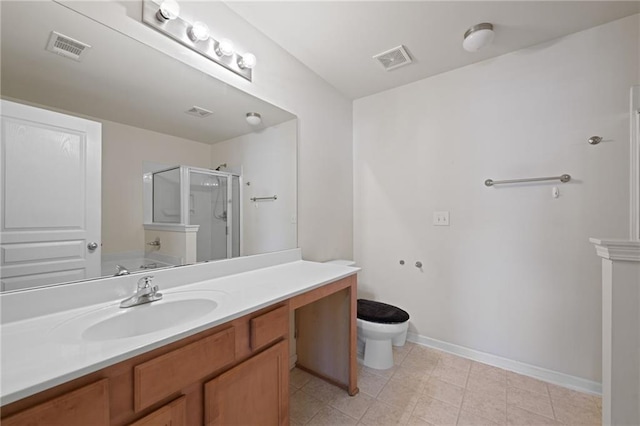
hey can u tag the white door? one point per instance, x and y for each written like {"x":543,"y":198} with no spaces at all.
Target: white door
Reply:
{"x":50,"y":168}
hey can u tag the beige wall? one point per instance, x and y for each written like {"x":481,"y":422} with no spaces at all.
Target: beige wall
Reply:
{"x":124,"y":149}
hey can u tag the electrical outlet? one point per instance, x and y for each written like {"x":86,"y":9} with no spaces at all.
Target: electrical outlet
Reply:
{"x":440,"y":218}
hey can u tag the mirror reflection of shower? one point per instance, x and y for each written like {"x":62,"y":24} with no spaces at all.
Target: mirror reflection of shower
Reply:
{"x":213,"y":183}
{"x":203,"y":199}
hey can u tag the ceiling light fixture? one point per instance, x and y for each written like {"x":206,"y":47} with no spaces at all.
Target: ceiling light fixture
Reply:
{"x":477,"y":37}
{"x":254,"y":118}
{"x":163,"y":16}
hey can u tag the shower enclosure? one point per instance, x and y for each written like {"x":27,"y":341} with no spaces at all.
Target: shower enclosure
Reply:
{"x":207,"y":198}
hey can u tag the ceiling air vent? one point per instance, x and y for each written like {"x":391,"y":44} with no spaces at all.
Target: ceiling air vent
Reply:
{"x":198,"y":112}
{"x":394,"y":58}
{"x":66,"y":46}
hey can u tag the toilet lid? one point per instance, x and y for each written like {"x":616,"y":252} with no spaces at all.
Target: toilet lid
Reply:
{"x":369,"y":310}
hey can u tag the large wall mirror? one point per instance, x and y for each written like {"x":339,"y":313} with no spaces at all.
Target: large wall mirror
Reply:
{"x":181,"y":176}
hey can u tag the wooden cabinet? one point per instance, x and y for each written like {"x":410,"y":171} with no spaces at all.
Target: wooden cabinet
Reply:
{"x":172,"y":414}
{"x":166,"y":386}
{"x":88,"y":405}
{"x":236,"y":373}
{"x":255,"y":392}
{"x":169,"y":373}
{"x":268,"y":327}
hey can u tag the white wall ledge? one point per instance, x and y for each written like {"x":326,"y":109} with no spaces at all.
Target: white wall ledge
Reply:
{"x":617,"y":249}
{"x":174,"y":227}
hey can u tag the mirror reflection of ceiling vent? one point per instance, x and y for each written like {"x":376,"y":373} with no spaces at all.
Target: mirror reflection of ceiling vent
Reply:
{"x":394,"y":58}
{"x":199,"y":112}
{"x":66,"y":46}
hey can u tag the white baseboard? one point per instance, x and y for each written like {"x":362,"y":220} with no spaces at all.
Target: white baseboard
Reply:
{"x":561,"y":379}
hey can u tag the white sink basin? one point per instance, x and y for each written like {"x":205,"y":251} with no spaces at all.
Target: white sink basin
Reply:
{"x":113,"y":322}
{"x":148,"y":318}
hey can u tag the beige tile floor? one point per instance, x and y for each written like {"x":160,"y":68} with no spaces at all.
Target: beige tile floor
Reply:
{"x":429,"y":387}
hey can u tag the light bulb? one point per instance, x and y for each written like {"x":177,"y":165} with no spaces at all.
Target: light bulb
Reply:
{"x":248,"y":61}
{"x":199,"y":31}
{"x":169,"y":9}
{"x":224,"y":48}
{"x":254,"y":118}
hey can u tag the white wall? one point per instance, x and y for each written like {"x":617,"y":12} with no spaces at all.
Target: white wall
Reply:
{"x":268,"y":160}
{"x":514,"y":275}
{"x":325,"y":178}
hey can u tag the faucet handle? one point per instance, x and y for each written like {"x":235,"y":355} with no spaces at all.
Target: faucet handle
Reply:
{"x":145,"y":282}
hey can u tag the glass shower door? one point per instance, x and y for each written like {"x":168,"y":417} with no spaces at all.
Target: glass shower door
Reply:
{"x":236,"y":214}
{"x":208,"y":208}
{"x":166,"y":196}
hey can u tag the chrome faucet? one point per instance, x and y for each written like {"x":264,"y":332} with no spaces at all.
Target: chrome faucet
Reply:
{"x":121,"y":271}
{"x":155,"y":243}
{"x":145,"y":293}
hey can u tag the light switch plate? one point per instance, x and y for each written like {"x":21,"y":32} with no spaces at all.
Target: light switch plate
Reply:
{"x":441,"y":218}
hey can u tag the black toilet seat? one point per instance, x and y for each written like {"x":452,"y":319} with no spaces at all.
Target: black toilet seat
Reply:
{"x":381,"y":313}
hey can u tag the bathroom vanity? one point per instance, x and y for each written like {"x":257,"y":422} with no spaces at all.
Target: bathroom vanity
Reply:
{"x":227,"y":366}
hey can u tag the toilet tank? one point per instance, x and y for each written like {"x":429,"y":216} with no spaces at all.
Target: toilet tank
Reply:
{"x":342,"y":262}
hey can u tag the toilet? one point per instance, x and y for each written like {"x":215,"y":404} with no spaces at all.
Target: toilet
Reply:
{"x":380,"y":326}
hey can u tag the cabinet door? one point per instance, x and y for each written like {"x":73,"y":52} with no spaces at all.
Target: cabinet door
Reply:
{"x":172,"y":414}
{"x":252,"y":393}
{"x":88,"y":405}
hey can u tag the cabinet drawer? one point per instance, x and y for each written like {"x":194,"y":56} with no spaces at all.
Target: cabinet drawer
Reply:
{"x":160,"y":377}
{"x":88,"y":405}
{"x":269,"y":327}
{"x":172,"y":414}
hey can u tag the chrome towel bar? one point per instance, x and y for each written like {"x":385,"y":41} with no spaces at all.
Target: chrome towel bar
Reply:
{"x":563,"y":178}
{"x":275,"y":197}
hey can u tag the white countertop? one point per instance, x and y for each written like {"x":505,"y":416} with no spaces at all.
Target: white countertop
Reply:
{"x":36,"y":355}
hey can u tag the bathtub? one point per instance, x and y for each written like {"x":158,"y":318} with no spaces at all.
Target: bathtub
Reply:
{"x":136,"y":262}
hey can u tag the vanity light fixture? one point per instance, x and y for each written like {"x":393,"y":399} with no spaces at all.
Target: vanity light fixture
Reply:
{"x":477,"y":37}
{"x":169,"y":9}
{"x":254,"y":118}
{"x":163,"y":16}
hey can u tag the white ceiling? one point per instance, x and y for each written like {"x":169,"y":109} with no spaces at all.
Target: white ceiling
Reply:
{"x":337,"y":39}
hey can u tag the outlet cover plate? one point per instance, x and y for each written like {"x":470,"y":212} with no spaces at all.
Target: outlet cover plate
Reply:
{"x":441,"y":218}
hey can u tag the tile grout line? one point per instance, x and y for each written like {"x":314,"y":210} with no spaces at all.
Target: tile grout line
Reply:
{"x":553,"y":409}
{"x":506,"y":400}
{"x":466,"y":383}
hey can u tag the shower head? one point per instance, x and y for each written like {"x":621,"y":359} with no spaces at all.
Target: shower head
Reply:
{"x":210,"y":181}
{"x":223,"y":165}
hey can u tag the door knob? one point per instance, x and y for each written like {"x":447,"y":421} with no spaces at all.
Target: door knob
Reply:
{"x":92,"y":246}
